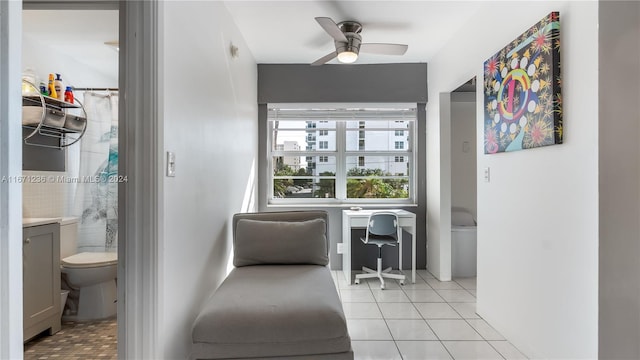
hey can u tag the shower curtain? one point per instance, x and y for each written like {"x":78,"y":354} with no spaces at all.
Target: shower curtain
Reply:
{"x":96,"y":200}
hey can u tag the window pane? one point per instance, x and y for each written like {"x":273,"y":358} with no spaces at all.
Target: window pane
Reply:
{"x":377,"y":188}
{"x":377,"y":165}
{"x":303,"y":165}
{"x":300,"y":135}
{"x":292,"y":188}
{"x":374,"y":140}
{"x":382,"y":177}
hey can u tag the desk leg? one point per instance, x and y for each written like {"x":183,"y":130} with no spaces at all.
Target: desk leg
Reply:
{"x":413,"y":254}
{"x":346,"y":248}
{"x":400,"y":241}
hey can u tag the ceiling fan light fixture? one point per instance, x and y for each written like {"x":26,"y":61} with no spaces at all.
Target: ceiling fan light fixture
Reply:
{"x":347,"y":57}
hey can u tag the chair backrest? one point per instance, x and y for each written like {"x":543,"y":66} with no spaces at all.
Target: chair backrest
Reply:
{"x":383,"y":224}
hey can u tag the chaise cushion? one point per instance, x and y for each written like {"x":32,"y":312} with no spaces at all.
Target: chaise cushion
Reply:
{"x":260,"y":242}
{"x":272,"y":311}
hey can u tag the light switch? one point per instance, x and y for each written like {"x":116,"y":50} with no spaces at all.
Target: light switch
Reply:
{"x":487,"y":174}
{"x":171,"y":164}
{"x":466,"y":147}
{"x":340,"y":248}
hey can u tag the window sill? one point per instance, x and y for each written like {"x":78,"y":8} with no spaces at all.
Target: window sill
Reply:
{"x":343,"y":205}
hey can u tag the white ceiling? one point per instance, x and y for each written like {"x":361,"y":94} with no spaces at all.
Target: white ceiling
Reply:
{"x":286,"y":31}
{"x":275,"y":31}
{"x":78,"y":33}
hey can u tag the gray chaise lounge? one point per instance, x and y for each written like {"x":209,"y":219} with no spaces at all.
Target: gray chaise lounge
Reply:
{"x":280,"y":301}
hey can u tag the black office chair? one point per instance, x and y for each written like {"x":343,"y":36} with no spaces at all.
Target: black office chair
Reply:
{"x":382,"y":229}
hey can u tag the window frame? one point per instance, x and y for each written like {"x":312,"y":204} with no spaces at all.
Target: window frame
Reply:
{"x":341,"y":154}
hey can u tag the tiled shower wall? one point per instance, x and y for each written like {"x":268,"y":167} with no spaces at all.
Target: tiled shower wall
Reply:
{"x":46,"y":199}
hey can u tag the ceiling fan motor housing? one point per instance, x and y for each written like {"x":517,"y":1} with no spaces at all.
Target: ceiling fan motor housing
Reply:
{"x":351,"y":30}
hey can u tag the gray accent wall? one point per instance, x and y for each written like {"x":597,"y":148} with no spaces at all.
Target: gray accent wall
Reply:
{"x":379,"y":83}
{"x":619,"y":180}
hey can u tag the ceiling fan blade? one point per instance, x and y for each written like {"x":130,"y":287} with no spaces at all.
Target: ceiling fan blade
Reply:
{"x":325,"y":59}
{"x":331,"y":28}
{"x":384,"y":49}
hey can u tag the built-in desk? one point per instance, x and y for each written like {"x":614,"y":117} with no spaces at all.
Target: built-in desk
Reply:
{"x":358,"y":219}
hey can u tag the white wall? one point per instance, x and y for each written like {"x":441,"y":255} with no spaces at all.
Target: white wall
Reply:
{"x":463,"y":164}
{"x":619,"y":177}
{"x":210,"y":122}
{"x":44,"y":58}
{"x":538,"y":217}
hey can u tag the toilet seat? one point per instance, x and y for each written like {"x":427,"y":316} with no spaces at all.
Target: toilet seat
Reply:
{"x":90,"y":260}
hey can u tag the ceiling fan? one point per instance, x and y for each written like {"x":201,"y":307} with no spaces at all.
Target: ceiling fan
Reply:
{"x":348,"y":42}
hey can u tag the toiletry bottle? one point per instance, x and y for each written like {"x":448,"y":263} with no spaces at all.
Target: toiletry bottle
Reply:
{"x":43,"y":89}
{"x":52,"y":87}
{"x":68,"y":95}
{"x":59,"y":87}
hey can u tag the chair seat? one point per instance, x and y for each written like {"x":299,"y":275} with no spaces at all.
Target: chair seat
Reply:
{"x":380,"y":240}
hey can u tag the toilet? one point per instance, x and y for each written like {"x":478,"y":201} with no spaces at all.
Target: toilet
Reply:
{"x":91,"y":276}
{"x":464,"y":244}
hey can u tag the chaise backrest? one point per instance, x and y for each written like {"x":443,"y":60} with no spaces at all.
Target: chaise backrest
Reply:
{"x":281,"y":238}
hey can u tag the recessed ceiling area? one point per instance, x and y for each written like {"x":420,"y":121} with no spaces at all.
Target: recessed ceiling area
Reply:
{"x":286,"y":31}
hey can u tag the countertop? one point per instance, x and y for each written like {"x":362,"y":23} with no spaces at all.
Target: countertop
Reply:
{"x":28,"y":222}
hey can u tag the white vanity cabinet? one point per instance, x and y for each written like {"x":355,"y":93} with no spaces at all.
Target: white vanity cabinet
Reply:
{"x":41,"y":278}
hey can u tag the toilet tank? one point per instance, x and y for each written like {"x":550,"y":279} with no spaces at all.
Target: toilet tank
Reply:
{"x":68,"y":236}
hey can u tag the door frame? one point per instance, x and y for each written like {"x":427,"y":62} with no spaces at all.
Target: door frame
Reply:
{"x":140,"y":162}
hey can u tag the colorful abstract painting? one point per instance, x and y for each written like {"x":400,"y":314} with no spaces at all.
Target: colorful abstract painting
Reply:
{"x":522,"y":98}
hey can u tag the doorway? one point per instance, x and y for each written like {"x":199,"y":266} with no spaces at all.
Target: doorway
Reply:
{"x":79,"y":46}
{"x":463,"y":181}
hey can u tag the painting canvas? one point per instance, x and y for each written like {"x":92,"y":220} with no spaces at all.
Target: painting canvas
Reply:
{"x":522,"y":98}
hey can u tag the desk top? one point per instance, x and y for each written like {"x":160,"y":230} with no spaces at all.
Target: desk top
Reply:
{"x":399,"y":212}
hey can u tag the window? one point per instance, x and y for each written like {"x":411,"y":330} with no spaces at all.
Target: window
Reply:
{"x":357,"y":159}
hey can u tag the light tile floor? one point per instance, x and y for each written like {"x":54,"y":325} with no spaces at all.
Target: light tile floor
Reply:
{"x":426,"y":320}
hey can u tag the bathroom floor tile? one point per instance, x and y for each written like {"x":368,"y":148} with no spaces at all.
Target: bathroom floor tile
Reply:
{"x":76,"y":340}
{"x":420,"y":350}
